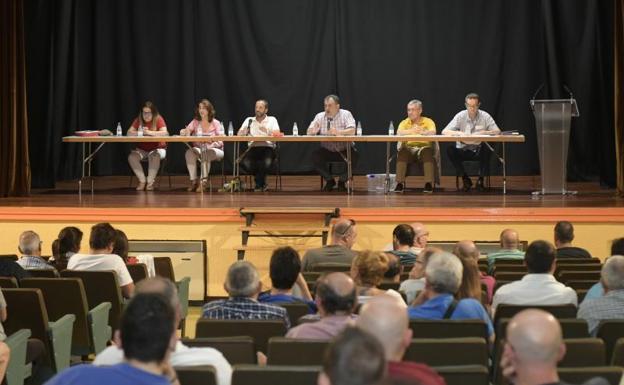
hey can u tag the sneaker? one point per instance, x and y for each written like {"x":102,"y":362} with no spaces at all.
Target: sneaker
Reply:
{"x":399,"y":188}
{"x":480,"y":186}
{"x":342,"y":186}
{"x":467,"y":183}
{"x":140,"y":186}
{"x":329,"y":186}
{"x":259,"y":188}
{"x":150,"y":186}
{"x":193,"y":186}
{"x":428,"y":188}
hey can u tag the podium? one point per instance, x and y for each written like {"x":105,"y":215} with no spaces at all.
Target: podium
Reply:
{"x":552,"y":120}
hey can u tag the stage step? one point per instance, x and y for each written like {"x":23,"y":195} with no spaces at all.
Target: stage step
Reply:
{"x":273,"y":247}
{"x":290,"y":229}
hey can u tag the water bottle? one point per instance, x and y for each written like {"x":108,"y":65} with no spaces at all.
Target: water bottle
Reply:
{"x":391,"y":129}
{"x":295,"y":130}
{"x":221,"y":129}
{"x":230,"y":129}
{"x":140,"y":133}
{"x":119,"y":133}
{"x":358,"y":130}
{"x":199,"y":131}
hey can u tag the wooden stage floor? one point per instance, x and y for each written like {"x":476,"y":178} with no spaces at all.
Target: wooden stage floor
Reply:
{"x":115,"y":200}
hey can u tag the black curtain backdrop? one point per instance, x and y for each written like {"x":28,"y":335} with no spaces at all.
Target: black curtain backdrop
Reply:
{"x":92,"y":63}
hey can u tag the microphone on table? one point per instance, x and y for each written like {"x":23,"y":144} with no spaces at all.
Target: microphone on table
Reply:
{"x":329,"y":120}
{"x":249,"y":126}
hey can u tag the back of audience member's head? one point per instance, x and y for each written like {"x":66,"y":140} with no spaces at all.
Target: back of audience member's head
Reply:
{"x":284,"y":268}
{"x":540,"y":257}
{"x":395,"y":268}
{"x":368,"y":268}
{"x":69,"y":239}
{"x":336,"y":293}
{"x":242,"y":280}
{"x":147,"y":328}
{"x":612,"y":274}
{"x":509,"y":239}
{"x":385,"y":317}
{"x":102,"y":236}
{"x":617,"y":246}
{"x":120,"y":246}
{"x":471,"y":278}
{"x":344,"y":232}
{"x":354,"y":357}
{"x":162,"y":286}
{"x":444,"y":273}
{"x":564,"y":232}
{"x":467,"y":250}
{"x":534,"y":338}
{"x":403,"y":234}
{"x":29,"y":243}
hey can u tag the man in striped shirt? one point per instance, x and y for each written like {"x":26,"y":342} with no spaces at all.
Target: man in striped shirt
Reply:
{"x":30,"y":247}
{"x":243,"y":286}
{"x":334,"y":121}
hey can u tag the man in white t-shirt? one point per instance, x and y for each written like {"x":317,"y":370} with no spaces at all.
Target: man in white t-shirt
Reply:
{"x":182,"y":356}
{"x":100,"y":258}
{"x":539,"y":286}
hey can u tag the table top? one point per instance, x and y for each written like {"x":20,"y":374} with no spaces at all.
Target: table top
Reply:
{"x":290,"y":138}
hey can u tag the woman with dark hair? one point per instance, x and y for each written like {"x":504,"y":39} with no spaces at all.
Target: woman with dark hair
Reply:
{"x":65,"y":245}
{"x":120,"y":247}
{"x":203,"y":124}
{"x":148,"y":123}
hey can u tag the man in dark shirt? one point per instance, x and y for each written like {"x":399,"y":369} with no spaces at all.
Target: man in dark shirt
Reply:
{"x":10,"y":268}
{"x":564,"y":235}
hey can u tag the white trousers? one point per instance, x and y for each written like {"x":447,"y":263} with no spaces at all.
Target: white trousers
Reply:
{"x":153,"y":163}
{"x":194,"y":154}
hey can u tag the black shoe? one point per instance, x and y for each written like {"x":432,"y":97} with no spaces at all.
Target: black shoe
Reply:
{"x":399,"y":188}
{"x":329,"y":186}
{"x":467,"y":183}
{"x":480,"y":186}
{"x":342,"y":186}
{"x":428,"y":188}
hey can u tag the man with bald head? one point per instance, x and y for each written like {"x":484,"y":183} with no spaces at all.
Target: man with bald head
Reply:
{"x":336,"y":300}
{"x":468,"y":250}
{"x":385,"y":317}
{"x":343,"y":237}
{"x":182,"y":355}
{"x":509,"y":243}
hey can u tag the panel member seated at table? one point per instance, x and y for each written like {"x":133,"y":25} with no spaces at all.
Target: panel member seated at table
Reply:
{"x":415,"y":124}
{"x":204,"y":118}
{"x":334,"y":121}
{"x":471,"y":121}
{"x":153,"y":124}
{"x":261,"y":154}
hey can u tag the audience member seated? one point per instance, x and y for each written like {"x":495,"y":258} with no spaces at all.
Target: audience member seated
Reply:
{"x":30,"y":247}
{"x":395,"y":269}
{"x":564,"y":235}
{"x":285,"y":273}
{"x":367,"y":270}
{"x":611,"y":304}
{"x":122,"y":248}
{"x":147,"y":337}
{"x":416,"y":279}
{"x":354,"y":357}
{"x":596,"y":291}
{"x":343,"y":235}
{"x":421,"y":237}
{"x":336,"y":300}
{"x":510,"y":248}
{"x":469,"y":254}
{"x":5,"y":352}
{"x":243,"y":286}
{"x":539,"y":286}
{"x":402,"y":242}
{"x":101,"y":257}
{"x":182,"y":355}
{"x":10,"y":268}
{"x":65,"y":245}
{"x":386,"y":318}
{"x":533,"y":348}
{"x":443,"y":276}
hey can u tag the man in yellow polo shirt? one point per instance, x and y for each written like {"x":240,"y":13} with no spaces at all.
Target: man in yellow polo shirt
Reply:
{"x":415,"y":124}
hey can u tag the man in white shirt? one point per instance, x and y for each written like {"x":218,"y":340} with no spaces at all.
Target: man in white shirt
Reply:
{"x":260,"y":154}
{"x":102,"y":242}
{"x":182,"y":355}
{"x":539,"y":286}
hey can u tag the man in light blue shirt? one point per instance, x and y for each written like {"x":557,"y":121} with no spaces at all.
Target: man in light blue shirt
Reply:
{"x":509,"y":242}
{"x":471,"y":121}
{"x":443,"y":276}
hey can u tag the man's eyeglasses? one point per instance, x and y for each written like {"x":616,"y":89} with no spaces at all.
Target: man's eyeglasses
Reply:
{"x":346,"y":230}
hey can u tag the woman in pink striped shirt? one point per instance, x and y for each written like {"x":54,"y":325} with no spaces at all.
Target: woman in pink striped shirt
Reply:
{"x":204,"y":118}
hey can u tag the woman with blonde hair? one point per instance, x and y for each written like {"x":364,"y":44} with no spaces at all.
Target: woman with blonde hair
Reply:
{"x":367,"y":271}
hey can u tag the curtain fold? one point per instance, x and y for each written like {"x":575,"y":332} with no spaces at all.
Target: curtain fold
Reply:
{"x":15,"y":166}
{"x":619,"y":92}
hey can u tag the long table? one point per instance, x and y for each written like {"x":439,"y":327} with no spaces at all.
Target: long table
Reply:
{"x":88,"y":152}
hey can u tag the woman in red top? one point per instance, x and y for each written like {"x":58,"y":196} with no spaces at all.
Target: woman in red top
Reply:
{"x":152,"y":124}
{"x":204,"y":118}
